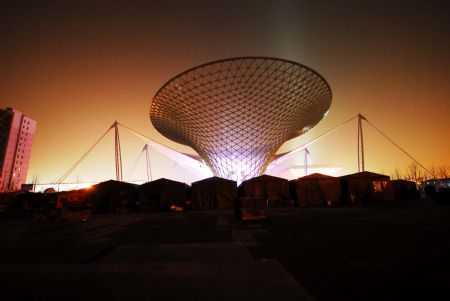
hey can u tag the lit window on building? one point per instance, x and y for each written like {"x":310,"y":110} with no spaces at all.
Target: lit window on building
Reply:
{"x":379,"y":186}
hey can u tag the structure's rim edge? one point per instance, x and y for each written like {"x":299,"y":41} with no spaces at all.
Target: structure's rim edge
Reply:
{"x":241,"y":58}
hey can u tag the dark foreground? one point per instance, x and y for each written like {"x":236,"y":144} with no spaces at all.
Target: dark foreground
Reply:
{"x":400,"y":253}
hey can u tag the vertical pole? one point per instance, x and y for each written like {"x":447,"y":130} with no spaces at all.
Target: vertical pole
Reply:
{"x":118,"y":153}
{"x":306,"y":161}
{"x":147,"y":160}
{"x":360,"y":144}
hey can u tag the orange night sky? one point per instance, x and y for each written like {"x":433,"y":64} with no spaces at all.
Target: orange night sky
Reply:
{"x":77,"y":66}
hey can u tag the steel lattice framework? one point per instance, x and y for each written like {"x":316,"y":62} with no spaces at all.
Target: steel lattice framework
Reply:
{"x":237,"y":112}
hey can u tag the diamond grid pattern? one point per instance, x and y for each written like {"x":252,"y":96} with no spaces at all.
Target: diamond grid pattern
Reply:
{"x":237,"y":112}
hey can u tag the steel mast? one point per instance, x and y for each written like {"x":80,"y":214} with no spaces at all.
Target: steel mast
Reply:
{"x":118,"y":153}
{"x":360,"y":143}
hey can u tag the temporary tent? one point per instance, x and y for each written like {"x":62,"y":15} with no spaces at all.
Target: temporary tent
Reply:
{"x":112,"y":196}
{"x":275,"y":190}
{"x":316,"y":190}
{"x":212,"y":193}
{"x":366,"y":187}
{"x":404,"y":190}
{"x":161,"y":194}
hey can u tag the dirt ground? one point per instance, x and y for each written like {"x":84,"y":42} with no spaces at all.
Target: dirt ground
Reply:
{"x":400,"y":252}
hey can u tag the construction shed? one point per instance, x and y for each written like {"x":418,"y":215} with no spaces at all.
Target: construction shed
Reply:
{"x":162,"y":194}
{"x":316,"y":190}
{"x":213,"y":193}
{"x":112,"y":196}
{"x":365,"y":188}
{"x":405,"y":190}
{"x":275,"y":190}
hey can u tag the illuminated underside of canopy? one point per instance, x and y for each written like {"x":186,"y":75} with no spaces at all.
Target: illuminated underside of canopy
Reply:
{"x":236,"y":113}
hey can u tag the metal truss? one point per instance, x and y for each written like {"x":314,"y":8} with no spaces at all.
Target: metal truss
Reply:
{"x":236,"y":113}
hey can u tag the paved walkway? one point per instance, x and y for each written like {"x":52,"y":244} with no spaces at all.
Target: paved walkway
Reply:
{"x":398,"y":253}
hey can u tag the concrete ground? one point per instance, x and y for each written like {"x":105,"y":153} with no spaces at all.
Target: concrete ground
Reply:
{"x":378,"y":253}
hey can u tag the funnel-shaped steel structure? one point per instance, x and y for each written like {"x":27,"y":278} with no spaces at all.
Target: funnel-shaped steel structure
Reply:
{"x":237,"y":112}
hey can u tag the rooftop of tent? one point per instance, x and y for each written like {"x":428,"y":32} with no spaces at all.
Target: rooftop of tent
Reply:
{"x":402,"y":181}
{"x":111,"y":186}
{"x":314,"y":176}
{"x":114,"y":182}
{"x":214,"y":180}
{"x":163,"y":181}
{"x":364,"y":174}
{"x":265,"y":178}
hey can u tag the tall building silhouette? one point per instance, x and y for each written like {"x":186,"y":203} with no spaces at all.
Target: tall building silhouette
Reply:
{"x":16,"y":141}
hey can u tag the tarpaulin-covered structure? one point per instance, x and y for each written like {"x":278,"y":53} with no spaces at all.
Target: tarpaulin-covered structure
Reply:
{"x":316,"y":190}
{"x":161,"y":194}
{"x":275,"y":190}
{"x":366,"y":187}
{"x":213,"y":193}
{"x":112,"y":196}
